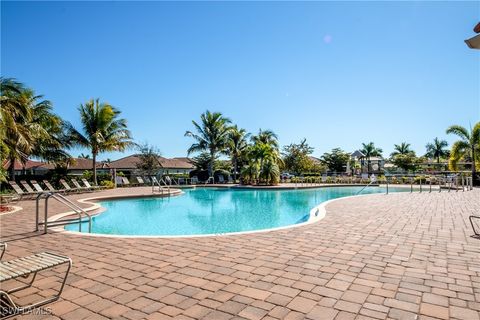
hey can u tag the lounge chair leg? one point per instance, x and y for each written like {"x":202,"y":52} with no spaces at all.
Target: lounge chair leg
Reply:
{"x":25,"y":286}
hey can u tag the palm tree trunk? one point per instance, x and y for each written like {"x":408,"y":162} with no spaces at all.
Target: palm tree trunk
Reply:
{"x":94,"y":167}
{"x":11,"y":168}
{"x":474,"y":170}
{"x":210,"y":165}
{"x":235,"y":164}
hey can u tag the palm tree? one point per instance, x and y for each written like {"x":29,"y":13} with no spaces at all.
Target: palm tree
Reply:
{"x":266,"y":158}
{"x":103,"y":130}
{"x":369,"y":150}
{"x":237,"y":145}
{"x":270,"y":172}
{"x":27,"y":125}
{"x":250,"y":172}
{"x":267,"y":137}
{"x":401,"y":149}
{"x":467,"y":147}
{"x":437,"y":149}
{"x":211,"y":136}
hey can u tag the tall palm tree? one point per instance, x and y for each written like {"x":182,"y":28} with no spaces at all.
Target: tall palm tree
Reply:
{"x":402,"y":148}
{"x":15,"y":115}
{"x":28,"y":127}
{"x":211,"y":135}
{"x":437,"y":149}
{"x":369,"y":150}
{"x":267,"y":137}
{"x":237,"y":145}
{"x":102,"y":129}
{"x":467,"y":147}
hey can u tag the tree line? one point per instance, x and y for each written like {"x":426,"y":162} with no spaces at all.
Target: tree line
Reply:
{"x":30,"y":129}
{"x":258,"y":158}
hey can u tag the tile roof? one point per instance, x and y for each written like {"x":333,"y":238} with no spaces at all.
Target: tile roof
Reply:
{"x":175,"y":163}
{"x":30,"y":164}
{"x":77,"y":164}
{"x":130,"y":162}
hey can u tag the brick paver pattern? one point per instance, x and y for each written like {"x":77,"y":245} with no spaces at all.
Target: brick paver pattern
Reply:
{"x":396,"y":256}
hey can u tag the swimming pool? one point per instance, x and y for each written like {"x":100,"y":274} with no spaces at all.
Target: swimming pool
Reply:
{"x":213,"y":211}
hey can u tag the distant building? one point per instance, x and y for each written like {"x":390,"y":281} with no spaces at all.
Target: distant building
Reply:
{"x":360,"y":163}
{"x":76,"y":166}
{"x":30,"y":167}
{"x":128,"y":165}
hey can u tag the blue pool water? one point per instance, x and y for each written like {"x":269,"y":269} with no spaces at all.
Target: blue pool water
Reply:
{"x":211,"y":211}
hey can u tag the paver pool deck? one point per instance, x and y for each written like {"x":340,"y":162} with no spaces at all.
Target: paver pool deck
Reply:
{"x":396,"y":256}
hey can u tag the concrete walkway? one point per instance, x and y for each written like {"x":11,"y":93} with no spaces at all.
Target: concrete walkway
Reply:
{"x":397,"y":256}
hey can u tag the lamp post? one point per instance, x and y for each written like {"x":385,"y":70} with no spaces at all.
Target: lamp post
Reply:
{"x":474,"y":42}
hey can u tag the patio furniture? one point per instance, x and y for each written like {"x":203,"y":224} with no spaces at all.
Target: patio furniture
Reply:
{"x":51,"y":188}
{"x":3,"y":247}
{"x":140,"y":181}
{"x":88,"y":185}
{"x":230,"y":180}
{"x":155,"y":181}
{"x":195,"y":180}
{"x":20,"y":191}
{"x":181,"y":181}
{"x":147,"y":180}
{"x":125,"y":181}
{"x":36,"y":186}
{"x":7,"y":198}
{"x":67,"y":187}
{"x":27,"y":187}
{"x":23,"y":268}
{"x":475,"y":222}
{"x":221,"y":179}
{"x":79,"y":187}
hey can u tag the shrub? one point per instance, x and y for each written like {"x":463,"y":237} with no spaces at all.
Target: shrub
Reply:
{"x":108,"y":184}
{"x":88,"y":174}
{"x":421,"y":179}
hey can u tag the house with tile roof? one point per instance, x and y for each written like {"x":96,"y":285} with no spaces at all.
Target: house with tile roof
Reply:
{"x":76,"y":166}
{"x":128,"y":165}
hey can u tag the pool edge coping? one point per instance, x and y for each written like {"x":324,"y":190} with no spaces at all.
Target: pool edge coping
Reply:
{"x":317,"y":213}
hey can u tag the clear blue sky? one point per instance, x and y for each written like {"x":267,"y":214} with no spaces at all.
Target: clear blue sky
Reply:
{"x":336,"y":73}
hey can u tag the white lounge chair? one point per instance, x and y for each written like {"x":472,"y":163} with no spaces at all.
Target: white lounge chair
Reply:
{"x":125,"y":181}
{"x":23,"y":268}
{"x":88,"y":185}
{"x":27,"y":187}
{"x":67,"y":186}
{"x":20,"y":191}
{"x":37,"y":186}
{"x":51,"y":188}
{"x":79,"y":187}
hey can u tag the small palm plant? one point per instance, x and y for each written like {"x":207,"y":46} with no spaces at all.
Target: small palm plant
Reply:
{"x":467,"y":147}
{"x":102,"y":129}
{"x":210,"y":135}
{"x":437,"y":149}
